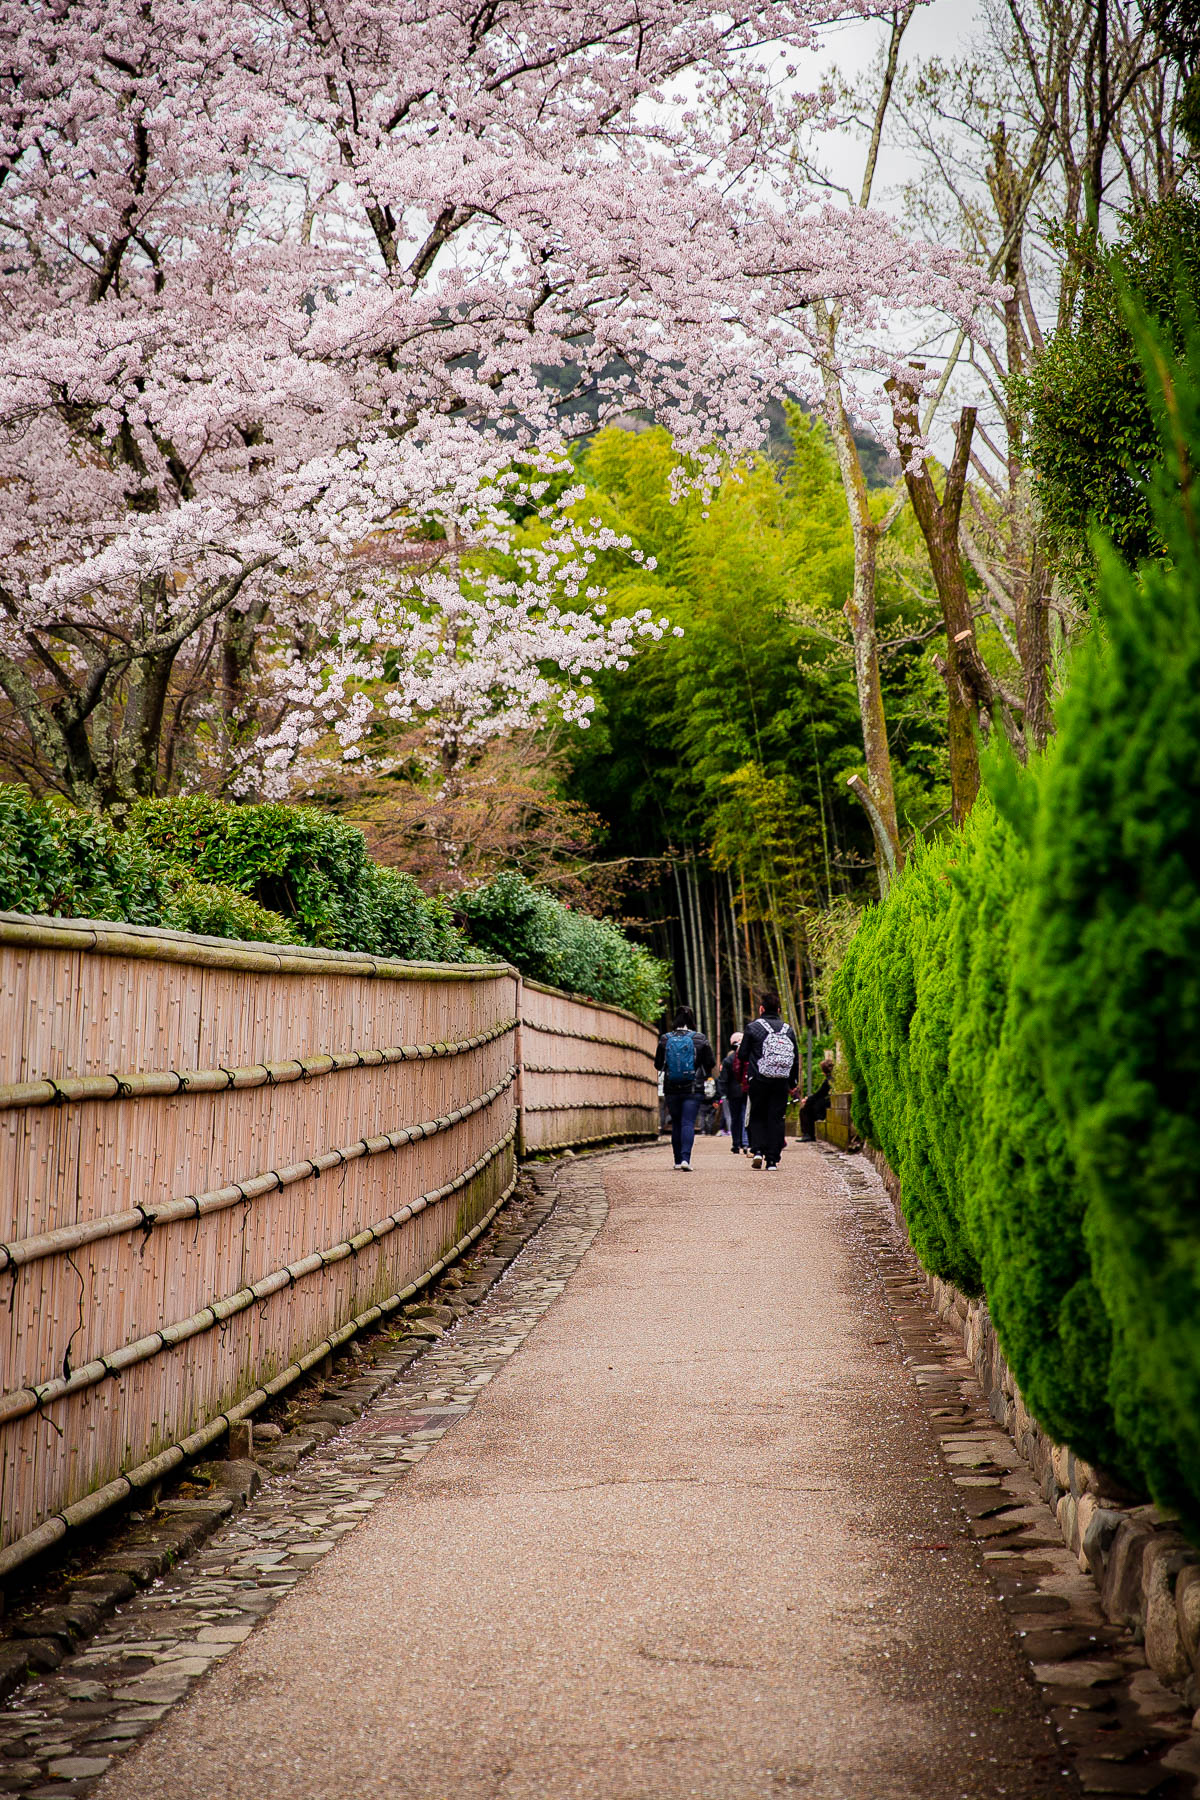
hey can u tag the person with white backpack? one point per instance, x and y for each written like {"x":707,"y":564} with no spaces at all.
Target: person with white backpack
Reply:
{"x":771,"y":1054}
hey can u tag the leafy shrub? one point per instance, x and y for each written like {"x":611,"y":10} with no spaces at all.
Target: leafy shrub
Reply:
{"x":213,"y":909}
{"x":56,"y":860}
{"x":312,"y":869}
{"x":550,"y":942}
{"x":293,"y":875}
{"x":1027,"y":1039}
{"x":403,"y":921}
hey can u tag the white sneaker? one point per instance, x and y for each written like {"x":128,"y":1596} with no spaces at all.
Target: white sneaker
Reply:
{"x":678,"y":1166}
{"x":756,"y":1162}
{"x":687,"y":1166}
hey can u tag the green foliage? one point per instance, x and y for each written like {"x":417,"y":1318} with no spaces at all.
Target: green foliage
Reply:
{"x":892,"y":1001}
{"x":1022,"y":1202}
{"x":758,"y":693}
{"x":1022,"y":1015}
{"x":1092,"y":439}
{"x":199,"y":865}
{"x":214,"y":909}
{"x":1113,"y":949}
{"x":73,"y":865}
{"x":944,"y":1048}
{"x":508,"y":917}
{"x":312,"y":869}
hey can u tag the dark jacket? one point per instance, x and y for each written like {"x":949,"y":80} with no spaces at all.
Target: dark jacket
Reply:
{"x":705,"y":1060}
{"x":730,"y":1081}
{"x":753,"y":1039}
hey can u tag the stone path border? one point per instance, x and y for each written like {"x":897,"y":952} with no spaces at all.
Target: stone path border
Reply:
{"x":1122,"y":1730}
{"x":59,"y":1734}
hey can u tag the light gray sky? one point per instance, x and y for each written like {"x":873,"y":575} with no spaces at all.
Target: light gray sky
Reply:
{"x":938,"y":29}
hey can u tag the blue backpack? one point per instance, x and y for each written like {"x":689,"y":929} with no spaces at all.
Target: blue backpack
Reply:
{"x":679,"y":1070}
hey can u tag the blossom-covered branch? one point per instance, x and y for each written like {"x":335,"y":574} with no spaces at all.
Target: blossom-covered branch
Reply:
{"x":285,"y":280}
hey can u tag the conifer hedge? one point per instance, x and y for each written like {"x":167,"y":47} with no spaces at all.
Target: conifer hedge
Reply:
{"x":1021,"y":1018}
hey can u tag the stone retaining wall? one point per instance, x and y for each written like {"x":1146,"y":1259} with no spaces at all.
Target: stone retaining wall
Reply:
{"x":1147,"y":1572}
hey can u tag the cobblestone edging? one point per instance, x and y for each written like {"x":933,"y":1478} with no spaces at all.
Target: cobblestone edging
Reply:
{"x":61,"y":1731}
{"x":1123,"y":1730}
{"x":1147,"y":1573}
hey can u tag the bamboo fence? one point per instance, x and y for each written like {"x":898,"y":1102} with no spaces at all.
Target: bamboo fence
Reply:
{"x":587,"y":1072}
{"x":218,"y":1161}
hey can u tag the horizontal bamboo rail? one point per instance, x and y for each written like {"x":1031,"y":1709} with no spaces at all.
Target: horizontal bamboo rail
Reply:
{"x":242,"y":1105}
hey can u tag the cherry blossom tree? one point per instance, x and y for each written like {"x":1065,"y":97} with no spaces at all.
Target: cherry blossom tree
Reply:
{"x":286,"y":280}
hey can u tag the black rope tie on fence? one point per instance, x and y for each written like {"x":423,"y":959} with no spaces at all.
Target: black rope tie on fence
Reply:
{"x":58,"y":1097}
{"x":39,"y":1407}
{"x":181,"y":1081}
{"x":74,"y":1268}
{"x":229,"y":1077}
{"x":146,"y":1227}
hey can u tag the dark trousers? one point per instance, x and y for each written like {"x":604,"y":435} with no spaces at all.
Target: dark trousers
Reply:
{"x":768,"y":1103}
{"x":812,"y":1111}
{"x":736,"y":1101}
{"x":683,"y":1109}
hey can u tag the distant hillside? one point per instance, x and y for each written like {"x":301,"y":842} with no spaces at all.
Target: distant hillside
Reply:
{"x":880,"y":467}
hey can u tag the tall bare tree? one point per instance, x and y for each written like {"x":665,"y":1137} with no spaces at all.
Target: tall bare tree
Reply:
{"x":877,"y":793}
{"x":1051,"y":123}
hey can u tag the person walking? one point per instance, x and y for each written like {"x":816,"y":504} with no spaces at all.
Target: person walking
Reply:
{"x":771,"y":1055}
{"x":686,"y":1059}
{"x":733,"y":1088}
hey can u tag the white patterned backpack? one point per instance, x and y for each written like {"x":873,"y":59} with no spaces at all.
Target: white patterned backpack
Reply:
{"x":775,"y":1057}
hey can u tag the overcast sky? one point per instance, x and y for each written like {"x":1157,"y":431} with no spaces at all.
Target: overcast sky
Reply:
{"x":939,"y":28}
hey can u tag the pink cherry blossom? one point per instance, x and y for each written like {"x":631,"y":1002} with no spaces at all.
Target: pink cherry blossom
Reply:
{"x":283,"y":284}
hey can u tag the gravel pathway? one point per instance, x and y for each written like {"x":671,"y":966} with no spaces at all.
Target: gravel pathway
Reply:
{"x":698,"y":1539}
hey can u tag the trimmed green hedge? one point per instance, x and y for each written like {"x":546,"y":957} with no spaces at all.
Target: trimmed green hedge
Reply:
{"x":292,"y":874}
{"x":1022,"y":1021}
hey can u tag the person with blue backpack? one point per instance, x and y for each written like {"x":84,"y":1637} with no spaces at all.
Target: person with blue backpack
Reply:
{"x":770,"y":1052}
{"x":686,"y":1059}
